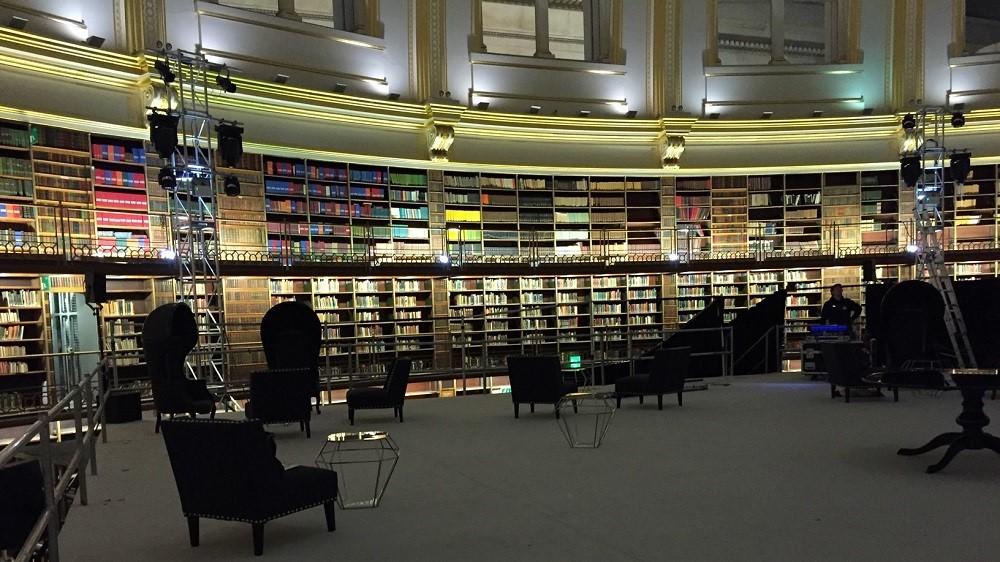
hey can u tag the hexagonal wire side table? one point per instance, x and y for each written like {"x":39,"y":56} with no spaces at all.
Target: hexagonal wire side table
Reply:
{"x":584,"y":418}
{"x":364,"y":462}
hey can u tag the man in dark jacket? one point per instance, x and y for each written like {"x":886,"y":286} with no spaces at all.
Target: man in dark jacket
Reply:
{"x":840,"y":309}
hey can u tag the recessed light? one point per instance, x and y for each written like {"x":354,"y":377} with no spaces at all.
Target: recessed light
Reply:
{"x":17,"y":22}
{"x":340,"y":88}
{"x":767,"y":115}
{"x":534,"y":109}
{"x":281,"y":78}
{"x":95,"y":41}
{"x":483,"y":105}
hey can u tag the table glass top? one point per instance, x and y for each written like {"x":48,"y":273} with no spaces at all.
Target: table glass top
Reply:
{"x":357,"y":436}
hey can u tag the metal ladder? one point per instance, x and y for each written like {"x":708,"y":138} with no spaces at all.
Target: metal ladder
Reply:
{"x":928,"y":221}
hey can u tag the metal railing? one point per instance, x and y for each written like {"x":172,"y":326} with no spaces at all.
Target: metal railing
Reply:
{"x":88,"y":417}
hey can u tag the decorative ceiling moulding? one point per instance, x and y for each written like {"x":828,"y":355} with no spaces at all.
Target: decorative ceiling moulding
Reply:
{"x":218,"y":11}
{"x":62,"y":53}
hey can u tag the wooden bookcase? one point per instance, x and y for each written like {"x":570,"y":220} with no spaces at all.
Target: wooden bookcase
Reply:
{"x":803,"y":222}
{"x":880,"y":208}
{"x":17,"y":217}
{"x":22,"y":321}
{"x":729,"y":214}
{"x":409,"y":211}
{"x":246,"y":300}
{"x":130,"y":300}
{"x":62,"y":178}
{"x":841,"y":210}
{"x":121,"y":202}
{"x":286,"y":205}
{"x":242,"y":220}
{"x":329,"y":207}
{"x":693,"y":208}
{"x":766,"y":213}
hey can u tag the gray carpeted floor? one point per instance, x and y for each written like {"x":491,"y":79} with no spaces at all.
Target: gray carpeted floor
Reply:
{"x":763,"y":469}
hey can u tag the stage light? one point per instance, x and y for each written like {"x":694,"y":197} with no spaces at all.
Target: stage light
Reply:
{"x":630,"y":114}
{"x":910,"y":167}
{"x":95,"y":41}
{"x":163,"y":132}
{"x":444,"y":259}
{"x":909,"y":122}
{"x":673,"y":256}
{"x":912,"y":248}
{"x":225,"y":82}
{"x":868,"y":111}
{"x":167,"y":254}
{"x":281,"y":78}
{"x":957,"y":119}
{"x":339,"y":88}
{"x":767,"y":115}
{"x":817,"y":113}
{"x":393,"y":96}
{"x":961,"y":165}
{"x":167,"y":179}
{"x":231,"y":185}
{"x":167,"y":75}
{"x":230,"y":137}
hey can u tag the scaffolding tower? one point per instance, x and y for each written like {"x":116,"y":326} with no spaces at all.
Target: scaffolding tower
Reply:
{"x":930,"y":153}
{"x":192,"y":209}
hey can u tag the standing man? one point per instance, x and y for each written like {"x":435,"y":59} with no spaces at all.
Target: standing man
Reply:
{"x":840,"y":309}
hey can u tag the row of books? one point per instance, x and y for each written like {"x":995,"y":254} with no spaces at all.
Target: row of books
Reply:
{"x":20,"y":167}
{"x":118,"y":153}
{"x":17,"y":138}
{"x":110,"y":239}
{"x":20,"y":297}
{"x":119,"y":200}
{"x":9,"y":211}
{"x":13,"y":187}
{"x":119,"y":178}
{"x":122,"y":220}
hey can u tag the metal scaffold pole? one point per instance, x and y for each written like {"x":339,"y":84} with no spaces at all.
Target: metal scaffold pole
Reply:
{"x":926,"y":164}
{"x":192,"y":209}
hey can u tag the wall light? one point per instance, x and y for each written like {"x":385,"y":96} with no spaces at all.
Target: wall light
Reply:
{"x":534,"y":109}
{"x":95,"y":41}
{"x":767,"y":115}
{"x":673,"y":256}
{"x":444,"y":259}
{"x":281,"y":78}
{"x":584,"y":113}
{"x":912,"y":248}
{"x":17,"y":22}
{"x":630,"y":114}
{"x":483,"y":105}
{"x":393,"y":96}
{"x":167,"y":254}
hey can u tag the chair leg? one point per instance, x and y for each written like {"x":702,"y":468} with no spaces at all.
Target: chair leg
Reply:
{"x":400,"y":414}
{"x":532,"y":407}
{"x":331,"y":516}
{"x":211,"y":415}
{"x":309,"y":432}
{"x":556,"y":408}
{"x":680,"y":397}
{"x":317,"y":403}
{"x":517,"y":410}
{"x":659,"y":401}
{"x":575,"y":410}
{"x":641,"y":399}
{"x":618,"y":400}
{"x":895,"y":394}
{"x":258,"y":539}
{"x":302,"y":426}
{"x":350,"y":414}
{"x":157,"y":428}
{"x":193,"y":530}
{"x":847,"y":394}
{"x":833,"y":391}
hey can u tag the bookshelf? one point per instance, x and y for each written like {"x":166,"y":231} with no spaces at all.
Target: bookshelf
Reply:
{"x":841,"y":211}
{"x":732,"y":286}
{"x":766,"y":213}
{"x":803,"y":223}
{"x":246,"y":300}
{"x":17,"y":217}
{"x":373,"y":321}
{"x":370,"y":210}
{"x":693,"y":208}
{"x":121,"y":202}
{"x":62,"y":178}
{"x":643,"y":208}
{"x":22,"y":319}
{"x":329,"y":207}
{"x":880,"y":208}
{"x":409,"y":210}
{"x":413,"y":320}
{"x":573,"y":215}
{"x":538,"y":314}
{"x":644,"y":301}
{"x":971,"y":207}
{"x":803,"y":304}
{"x":729,"y":214}
{"x":463,"y":215}
{"x":242,"y":220}
{"x":574,"y":314}
{"x":694,"y":293}
{"x":499,"y":217}
{"x":130,"y":300}
{"x":535,"y":215}
{"x":609,"y":215}
{"x":286,"y":206}
{"x":466,"y":312}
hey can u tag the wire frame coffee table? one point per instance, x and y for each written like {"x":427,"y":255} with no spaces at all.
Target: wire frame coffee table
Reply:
{"x":364,"y":462}
{"x":584,"y":418}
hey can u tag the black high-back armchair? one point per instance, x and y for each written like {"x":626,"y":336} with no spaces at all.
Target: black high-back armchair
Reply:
{"x":168,"y":335}
{"x":227,"y":469}
{"x":23,"y":501}
{"x":669,"y":369}
{"x":390,"y":395}
{"x":536,"y":380}
{"x":282,"y":397}
{"x":292,"y":335}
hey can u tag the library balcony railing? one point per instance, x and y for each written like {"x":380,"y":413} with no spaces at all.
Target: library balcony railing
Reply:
{"x":81,"y":402}
{"x":75,"y":234}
